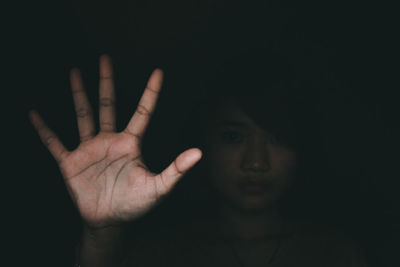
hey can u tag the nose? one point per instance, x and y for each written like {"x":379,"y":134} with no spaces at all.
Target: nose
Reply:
{"x":255,"y":157}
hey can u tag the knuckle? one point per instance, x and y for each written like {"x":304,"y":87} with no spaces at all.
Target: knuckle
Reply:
{"x":83,"y":112}
{"x":107,"y":126}
{"x":142,"y":110}
{"x":177,"y":169}
{"x":86,"y":137}
{"x":41,"y":128}
{"x":137,"y":137}
{"x":49,"y":139}
{"x":152,"y":90}
{"x":106,"y":101}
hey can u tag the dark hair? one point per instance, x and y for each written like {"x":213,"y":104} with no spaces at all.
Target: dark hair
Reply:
{"x":268,"y":88}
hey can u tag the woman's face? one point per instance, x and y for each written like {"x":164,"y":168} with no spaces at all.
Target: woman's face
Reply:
{"x":246,"y":165}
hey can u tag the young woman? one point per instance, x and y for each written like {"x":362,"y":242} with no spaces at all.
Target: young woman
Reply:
{"x":250,"y":159}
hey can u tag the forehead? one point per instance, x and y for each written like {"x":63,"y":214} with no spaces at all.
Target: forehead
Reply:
{"x":231,"y":114}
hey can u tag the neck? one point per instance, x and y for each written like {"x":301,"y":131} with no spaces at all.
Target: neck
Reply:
{"x":247,"y":225}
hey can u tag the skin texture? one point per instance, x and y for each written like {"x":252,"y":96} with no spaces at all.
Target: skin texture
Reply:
{"x":106,"y":176}
{"x":110,"y":184}
{"x":238,"y":151}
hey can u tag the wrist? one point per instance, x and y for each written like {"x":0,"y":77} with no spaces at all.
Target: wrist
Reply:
{"x":103,"y":237}
{"x":101,"y":247}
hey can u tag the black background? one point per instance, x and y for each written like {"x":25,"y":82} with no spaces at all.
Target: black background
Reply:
{"x":184,"y":37}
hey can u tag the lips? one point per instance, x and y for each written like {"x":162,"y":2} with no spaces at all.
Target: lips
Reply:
{"x":254,"y":187}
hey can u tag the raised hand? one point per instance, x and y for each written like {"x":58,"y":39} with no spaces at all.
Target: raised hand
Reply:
{"x":106,"y":176}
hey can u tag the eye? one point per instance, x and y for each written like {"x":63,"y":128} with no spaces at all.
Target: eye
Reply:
{"x":232,"y":137}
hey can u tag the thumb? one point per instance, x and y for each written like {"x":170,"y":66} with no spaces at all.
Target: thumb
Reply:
{"x":179,"y":167}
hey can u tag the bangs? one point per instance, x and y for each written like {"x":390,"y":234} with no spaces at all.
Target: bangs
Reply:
{"x":268,"y":90}
{"x":267,"y":87}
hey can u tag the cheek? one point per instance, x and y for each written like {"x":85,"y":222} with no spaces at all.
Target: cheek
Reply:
{"x":284,"y":164}
{"x":223,"y":164}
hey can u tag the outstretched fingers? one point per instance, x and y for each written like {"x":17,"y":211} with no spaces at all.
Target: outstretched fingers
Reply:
{"x":48,"y":137}
{"x":107,"y":95}
{"x":185,"y":161}
{"x":140,"y":119}
{"x":82,"y":107}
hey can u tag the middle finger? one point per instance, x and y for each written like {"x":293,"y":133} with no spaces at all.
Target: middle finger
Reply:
{"x":107,"y":95}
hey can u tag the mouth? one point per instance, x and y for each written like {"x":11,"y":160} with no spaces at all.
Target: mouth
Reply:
{"x":253,"y":188}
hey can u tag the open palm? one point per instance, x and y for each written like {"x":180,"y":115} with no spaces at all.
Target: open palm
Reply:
{"x":106,"y":176}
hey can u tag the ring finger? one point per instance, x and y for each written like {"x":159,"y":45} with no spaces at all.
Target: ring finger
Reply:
{"x":82,"y":107}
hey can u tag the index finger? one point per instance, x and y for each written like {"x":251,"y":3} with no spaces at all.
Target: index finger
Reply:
{"x":140,"y":119}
